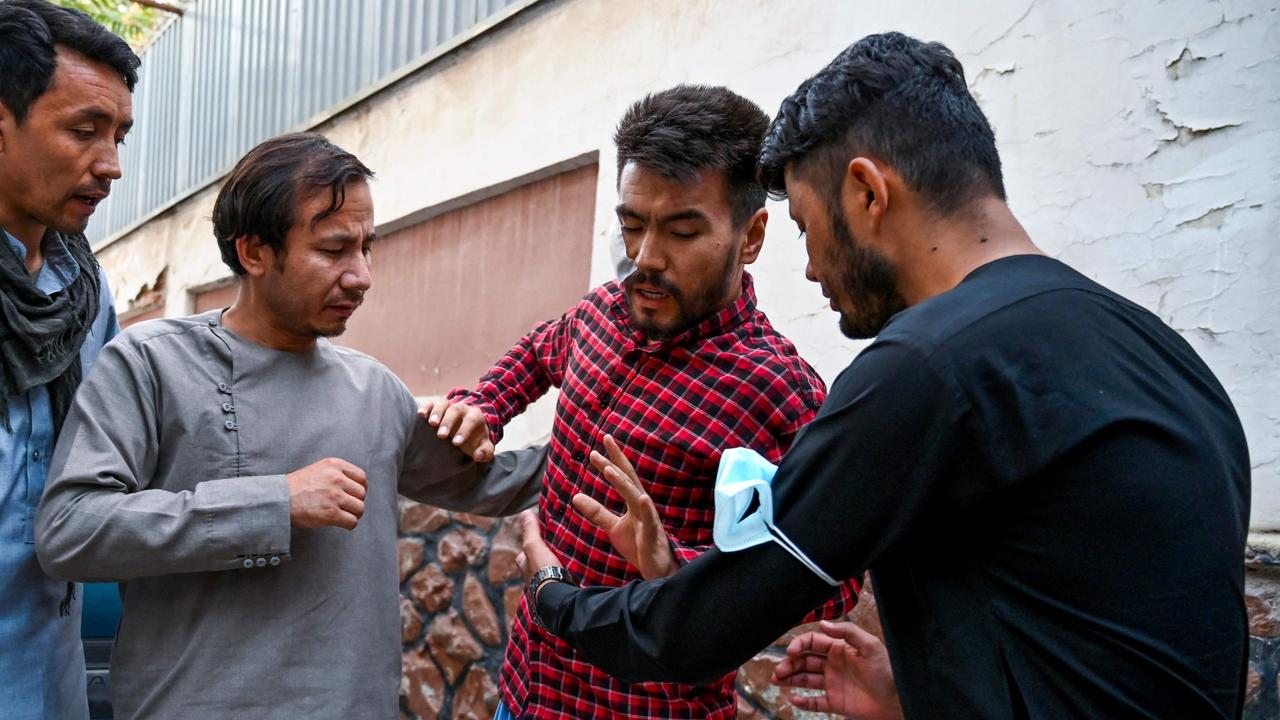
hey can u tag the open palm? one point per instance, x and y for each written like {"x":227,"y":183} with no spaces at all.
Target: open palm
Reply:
{"x":638,"y":534}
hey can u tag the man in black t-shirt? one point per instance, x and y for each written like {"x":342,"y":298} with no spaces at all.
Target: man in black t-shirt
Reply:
{"x":1050,"y":488}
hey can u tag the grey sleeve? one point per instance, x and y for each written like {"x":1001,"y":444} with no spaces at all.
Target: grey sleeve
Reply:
{"x":99,"y":520}
{"x":436,"y":473}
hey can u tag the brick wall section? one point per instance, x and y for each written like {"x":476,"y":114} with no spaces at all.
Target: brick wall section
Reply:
{"x":1262,"y":602}
{"x":459,"y":588}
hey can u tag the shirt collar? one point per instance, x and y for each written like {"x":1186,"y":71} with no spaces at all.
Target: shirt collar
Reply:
{"x":720,"y":322}
{"x":59,"y":269}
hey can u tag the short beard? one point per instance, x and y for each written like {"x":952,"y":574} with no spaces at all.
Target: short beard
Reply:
{"x":689,"y":313}
{"x":868,"y":280}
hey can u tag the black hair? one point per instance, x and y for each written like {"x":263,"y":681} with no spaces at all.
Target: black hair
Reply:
{"x":261,"y":195}
{"x":898,"y":100}
{"x":31,"y":30}
{"x":689,"y":128}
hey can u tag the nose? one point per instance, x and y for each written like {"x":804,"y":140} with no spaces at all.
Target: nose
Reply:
{"x":359,"y":275}
{"x":809,"y":274}
{"x":108,"y":163}
{"x":649,"y":256}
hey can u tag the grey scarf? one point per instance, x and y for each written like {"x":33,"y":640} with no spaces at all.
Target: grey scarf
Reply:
{"x":40,"y":334}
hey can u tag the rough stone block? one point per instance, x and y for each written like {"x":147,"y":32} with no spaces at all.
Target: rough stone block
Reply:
{"x":479,"y":611}
{"x":461,"y":548}
{"x":432,"y":589}
{"x":452,"y":646}
{"x":410,"y":552}
{"x":422,"y":686}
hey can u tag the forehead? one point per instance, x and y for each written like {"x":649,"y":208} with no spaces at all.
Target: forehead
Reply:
{"x":802,"y":196}
{"x":80,"y":83}
{"x":648,"y":191}
{"x":356,"y":210}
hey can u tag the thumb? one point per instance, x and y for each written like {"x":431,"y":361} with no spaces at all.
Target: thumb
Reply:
{"x":593,"y":511}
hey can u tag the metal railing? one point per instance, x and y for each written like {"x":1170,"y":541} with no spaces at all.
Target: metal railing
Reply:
{"x":231,"y":73}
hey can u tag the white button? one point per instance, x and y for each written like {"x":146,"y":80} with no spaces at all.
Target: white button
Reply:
{"x":262,"y":562}
{"x":248,"y":562}
{"x":275,"y":560}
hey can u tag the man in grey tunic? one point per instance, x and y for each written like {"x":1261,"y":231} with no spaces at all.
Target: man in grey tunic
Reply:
{"x":239,"y":472}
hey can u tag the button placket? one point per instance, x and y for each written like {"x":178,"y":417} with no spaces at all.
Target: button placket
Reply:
{"x":228,"y":407}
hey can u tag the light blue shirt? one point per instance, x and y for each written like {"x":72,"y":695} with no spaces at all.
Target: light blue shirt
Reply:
{"x":42,"y":675}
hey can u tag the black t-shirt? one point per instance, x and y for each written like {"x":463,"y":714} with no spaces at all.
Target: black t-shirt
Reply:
{"x":1051,"y":491}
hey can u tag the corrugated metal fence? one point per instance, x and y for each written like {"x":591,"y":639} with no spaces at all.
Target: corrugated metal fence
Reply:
{"x":231,"y":73}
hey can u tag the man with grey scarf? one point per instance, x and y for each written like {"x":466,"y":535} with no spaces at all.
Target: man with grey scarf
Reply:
{"x":65,"y":105}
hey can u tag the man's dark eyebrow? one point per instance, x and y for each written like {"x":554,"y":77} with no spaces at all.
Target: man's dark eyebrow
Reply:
{"x":686,"y":215}
{"x":622,"y":209}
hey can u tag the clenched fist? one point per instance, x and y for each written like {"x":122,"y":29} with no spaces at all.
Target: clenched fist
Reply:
{"x":327,"y":493}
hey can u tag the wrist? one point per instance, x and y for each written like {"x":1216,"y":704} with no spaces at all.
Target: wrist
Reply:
{"x":548,"y":574}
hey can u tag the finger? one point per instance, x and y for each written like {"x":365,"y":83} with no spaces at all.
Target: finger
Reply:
{"x":810,"y":642}
{"x":812,"y":703}
{"x":351,"y":471}
{"x":352,"y":505}
{"x":631,"y":495}
{"x":619,"y":459}
{"x":859,"y":639}
{"x":650,"y":524}
{"x":529,"y":525}
{"x":523,"y":563}
{"x":807,"y":680}
{"x":484,"y":451}
{"x":471,"y":431}
{"x":449,"y":420}
{"x":354,"y":489}
{"x":432,"y":409}
{"x":796,"y":665}
{"x":593,"y":511}
{"x":345,"y":520}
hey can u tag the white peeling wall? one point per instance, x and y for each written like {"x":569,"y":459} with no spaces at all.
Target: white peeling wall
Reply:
{"x":1140,"y":141}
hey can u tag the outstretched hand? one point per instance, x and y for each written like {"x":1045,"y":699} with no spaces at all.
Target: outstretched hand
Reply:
{"x":850,"y":666}
{"x":638,"y":534}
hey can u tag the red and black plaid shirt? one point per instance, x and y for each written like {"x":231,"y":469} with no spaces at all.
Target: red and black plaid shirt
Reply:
{"x":730,"y":381}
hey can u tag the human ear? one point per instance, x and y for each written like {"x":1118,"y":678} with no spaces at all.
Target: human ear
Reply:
{"x":755,"y":236}
{"x":254,"y":255}
{"x":865,"y":193}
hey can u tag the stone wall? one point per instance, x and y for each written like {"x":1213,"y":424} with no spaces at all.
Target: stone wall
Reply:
{"x":460,"y":587}
{"x":1262,"y":601}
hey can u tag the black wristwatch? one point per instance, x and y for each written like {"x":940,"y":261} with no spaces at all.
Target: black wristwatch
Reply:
{"x":550,"y":573}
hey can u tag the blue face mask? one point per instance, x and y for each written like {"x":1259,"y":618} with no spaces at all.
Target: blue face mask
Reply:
{"x":744,"y":507}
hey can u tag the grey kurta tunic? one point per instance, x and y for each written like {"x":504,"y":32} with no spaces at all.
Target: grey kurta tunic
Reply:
{"x":169,"y":474}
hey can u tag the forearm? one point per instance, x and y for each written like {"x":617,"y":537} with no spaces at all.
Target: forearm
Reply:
{"x":92,"y":533}
{"x":693,"y":627}
{"x":436,"y":473}
{"x":519,"y":378}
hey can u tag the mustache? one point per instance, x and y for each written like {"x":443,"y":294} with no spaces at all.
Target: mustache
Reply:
{"x":356,"y":299}
{"x":101,"y":187}
{"x":640,"y":277}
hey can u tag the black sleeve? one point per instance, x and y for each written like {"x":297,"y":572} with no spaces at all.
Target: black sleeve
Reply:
{"x":855,"y":480}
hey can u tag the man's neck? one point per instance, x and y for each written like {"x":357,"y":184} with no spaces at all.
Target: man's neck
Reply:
{"x":248,"y":321}
{"x":30,"y":233}
{"x":948,"y":249}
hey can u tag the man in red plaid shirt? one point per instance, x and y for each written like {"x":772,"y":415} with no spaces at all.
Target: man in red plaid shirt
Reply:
{"x":674,"y":365}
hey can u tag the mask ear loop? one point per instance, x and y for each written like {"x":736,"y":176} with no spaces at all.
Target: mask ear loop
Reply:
{"x":798,"y":554}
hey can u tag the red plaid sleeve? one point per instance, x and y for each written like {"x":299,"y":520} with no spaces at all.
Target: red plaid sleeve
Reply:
{"x":523,"y":375}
